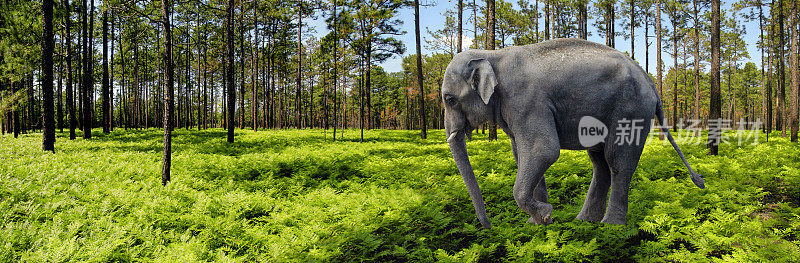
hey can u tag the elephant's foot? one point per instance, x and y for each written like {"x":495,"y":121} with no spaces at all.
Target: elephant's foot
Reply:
{"x":542,"y":215}
{"x":589,"y":216}
{"x":615,"y":219}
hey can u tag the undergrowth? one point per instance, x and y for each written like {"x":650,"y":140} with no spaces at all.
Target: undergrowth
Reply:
{"x":294,"y":195}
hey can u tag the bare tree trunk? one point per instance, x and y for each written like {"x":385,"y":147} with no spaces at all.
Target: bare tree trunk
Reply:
{"x":106,"y":95}
{"x":659,"y":63}
{"x":793,"y":56}
{"x":675,"y":87}
{"x":59,"y":100}
{"x":546,"y":18}
{"x":298,"y":106}
{"x":85,"y":111}
{"x":241,"y":64}
{"x":780,"y":116}
{"x":633,"y":23}
{"x":70,"y":92}
{"x":336,"y":66}
{"x":475,"y":24}
{"x":490,"y":7}
{"x":168,"y":105}
{"x":647,"y":43}
{"x":231,"y":89}
{"x":696,"y":68}
{"x":460,"y":24}
{"x":422,"y":114}
{"x":48,"y":43}
{"x":714,"y":112}
{"x":254,"y":94}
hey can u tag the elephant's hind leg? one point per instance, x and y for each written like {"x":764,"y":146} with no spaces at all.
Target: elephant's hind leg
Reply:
{"x":529,"y":187}
{"x":594,"y":207}
{"x":622,"y":165}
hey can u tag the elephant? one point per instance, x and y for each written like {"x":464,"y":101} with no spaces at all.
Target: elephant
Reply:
{"x":540,"y":95}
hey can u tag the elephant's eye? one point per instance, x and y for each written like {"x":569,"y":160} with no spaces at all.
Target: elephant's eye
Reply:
{"x":450,"y":100}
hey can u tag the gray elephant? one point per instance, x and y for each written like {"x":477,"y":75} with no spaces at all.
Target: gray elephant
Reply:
{"x":550,"y":96}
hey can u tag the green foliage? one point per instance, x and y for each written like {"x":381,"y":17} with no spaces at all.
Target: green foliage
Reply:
{"x":294,"y":195}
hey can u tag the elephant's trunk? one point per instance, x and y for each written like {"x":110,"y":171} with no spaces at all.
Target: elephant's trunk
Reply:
{"x":458,"y":147}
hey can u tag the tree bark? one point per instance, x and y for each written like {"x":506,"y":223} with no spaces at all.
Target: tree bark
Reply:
{"x":795,"y":67}
{"x":546,"y":17}
{"x":59,"y":92}
{"x":254,"y":95}
{"x":168,"y":105}
{"x":231,"y":89}
{"x":106,"y":95}
{"x":659,"y":62}
{"x":336,"y":67}
{"x":460,"y":24}
{"x":70,"y":92}
{"x":298,"y":104}
{"x":422,"y":115}
{"x":633,"y":33}
{"x":714,"y":112}
{"x":780,"y":116}
{"x":696,"y":68}
{"x":490,"y":7}
{"x":241,"y":65}
{"x":48,"y":43}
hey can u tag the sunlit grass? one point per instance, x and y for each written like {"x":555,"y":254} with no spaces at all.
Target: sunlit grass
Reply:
{"x":295,"y":195}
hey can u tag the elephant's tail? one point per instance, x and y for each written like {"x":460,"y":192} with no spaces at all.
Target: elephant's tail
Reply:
{"x":696,"y":177}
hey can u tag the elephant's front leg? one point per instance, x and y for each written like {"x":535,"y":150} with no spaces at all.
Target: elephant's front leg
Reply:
{"x":530,"y":191}
{"x":540,"y":192}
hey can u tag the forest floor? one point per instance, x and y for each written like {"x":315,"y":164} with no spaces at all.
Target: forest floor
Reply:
{"x":294,"y":195}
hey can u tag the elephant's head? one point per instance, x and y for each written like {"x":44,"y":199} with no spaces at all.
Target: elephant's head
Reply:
{"x":467,"y":91}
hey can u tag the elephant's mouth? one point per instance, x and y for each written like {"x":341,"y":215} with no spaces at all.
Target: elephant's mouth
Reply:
{"x":467,"y":131}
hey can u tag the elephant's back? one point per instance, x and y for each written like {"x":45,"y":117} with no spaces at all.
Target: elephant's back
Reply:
{"x":567,"y":45}
{"x":580,"y":78}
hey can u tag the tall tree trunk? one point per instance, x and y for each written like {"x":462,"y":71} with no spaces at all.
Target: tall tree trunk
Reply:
{"x":231,"y":89}
{"x":48,"y":43}
{"x":659,"y":63}
{"x":714,"y":113}
{"x":780,"y":116}
{"x":475,"y":25}
{"x":460,"y":24}
{"x":546,"y":18}
{"x":241,"y":65}
{"x":168,"y":105}
{"x":793,"y":56}
{"x":15,"y":112}
{"x":70,"y":92}
{"x":490,"y":7}
{"x":765,"y":78}
{"x":633,"y":26}
{"x":422,"y":114}
{"x":59,"y":92}
{"x":88,"y":80}
{"x":336,"y":67}
{"x":298,"y":105}
{"x":254,"y":95}
{"x":675,"y":86}
{"x":368,"y":85}
{"x":696,"y":68}
{"x":647,"y":42}
{"x":205,"y":84}
{"x":111,"y":78}
{"x":106,"y":95}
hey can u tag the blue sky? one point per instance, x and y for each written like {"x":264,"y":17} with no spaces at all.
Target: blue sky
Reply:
{"x":432,"y":18}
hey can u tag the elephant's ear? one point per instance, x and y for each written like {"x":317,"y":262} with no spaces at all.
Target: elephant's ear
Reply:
{"x":482,"y":76}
